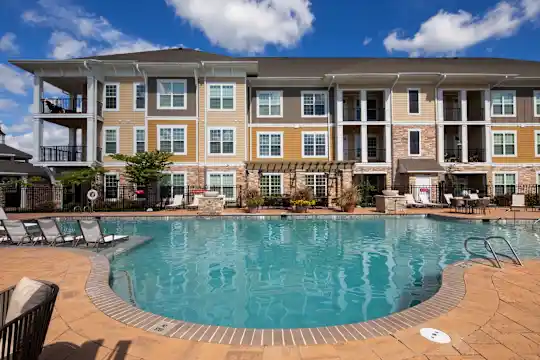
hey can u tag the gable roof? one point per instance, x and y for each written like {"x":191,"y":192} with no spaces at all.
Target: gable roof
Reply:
{"x":8,"y":152}
{"x":166,"y":55}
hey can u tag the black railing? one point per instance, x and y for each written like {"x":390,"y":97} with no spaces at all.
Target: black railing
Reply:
{"x":373,"y":155}
{"x":453,"y":155}
{"x":62,"y":153}
{"x":451,"y":113}
{"x":477,"y":155}
{"x":64,"y":106}
{"x":373,"y":114}
{"x":99,"y":108}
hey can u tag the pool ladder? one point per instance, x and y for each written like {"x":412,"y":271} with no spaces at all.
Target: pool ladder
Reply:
{"x":535,"y":222}
{"x":489,"y":248}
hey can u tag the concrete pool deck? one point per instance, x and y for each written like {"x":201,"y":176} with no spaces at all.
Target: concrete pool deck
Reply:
{"x":497,"y":318}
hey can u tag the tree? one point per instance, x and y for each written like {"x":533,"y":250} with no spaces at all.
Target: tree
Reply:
{"x":82,"y":176}
{"x":145,"y":168}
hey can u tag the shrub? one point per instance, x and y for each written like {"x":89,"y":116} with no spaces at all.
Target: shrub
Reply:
{"x":348,"y":197}
{"x":502,"y":200}
{"x":254,"y":198}
{"x":532,"y":199}
{"x":302,"y":194}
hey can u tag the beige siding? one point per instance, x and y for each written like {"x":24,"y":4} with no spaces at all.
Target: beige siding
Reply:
{"x":400,"y":103}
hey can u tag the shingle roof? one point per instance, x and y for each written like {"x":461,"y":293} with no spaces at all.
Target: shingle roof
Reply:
{"x":419,"y":165}
{"x":19,"y":155}
{"x":167,"y":55}
{"x":16,"y":167}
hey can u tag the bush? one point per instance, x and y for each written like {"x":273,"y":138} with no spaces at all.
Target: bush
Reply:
{"x":45,"y":206}
{"x":503,"y":200}
{"x":302,"y":194}
{"x":532,"y":199}
{"x":348,"y":197}
{"x":254,"y":198}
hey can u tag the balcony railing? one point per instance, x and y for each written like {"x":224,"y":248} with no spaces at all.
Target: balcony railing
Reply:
{"x":452,"y":113}
{"x":453,"y":155}
{"x":373,"y":114}
{"x":374,"y":155}
{"x":63,"y":106}
{"x":477,"y":155}
{"x":62,"y":153}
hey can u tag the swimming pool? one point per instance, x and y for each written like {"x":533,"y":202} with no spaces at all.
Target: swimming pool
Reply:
{"x":256,"y":273}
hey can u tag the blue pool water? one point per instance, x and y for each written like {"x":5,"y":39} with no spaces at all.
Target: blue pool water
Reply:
{"x":294,"y":273}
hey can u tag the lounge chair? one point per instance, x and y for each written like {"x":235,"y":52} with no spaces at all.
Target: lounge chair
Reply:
{"x":3,"y":215}
{"x":195,"y":204}
{"x":473,"y":196}
{"x":17,"y":233}
{"x":424,"y":199}
{"x":448,"y":198}
{"x":518,"y":201}
{"x":409,"y":200}
{"x":92,"y":234}
{"x":52,"y":233}
{"x":178,"y":201}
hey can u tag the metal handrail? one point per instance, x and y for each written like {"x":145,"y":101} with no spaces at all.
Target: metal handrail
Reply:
{"x":509,"y":245}
{"x":535,"y":222}
{"x":489,"y":248}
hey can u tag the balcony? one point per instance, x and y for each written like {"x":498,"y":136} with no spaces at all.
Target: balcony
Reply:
{"x":374,"y":103}
{"x":374,"y":155}
{"x":62,"y":154}
{"x":69,"y":106}
{"x":475,"y":155}
{"x":452,"y":105}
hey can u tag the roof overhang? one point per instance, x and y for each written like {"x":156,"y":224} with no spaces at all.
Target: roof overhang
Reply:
{"x":419,"y":166}
{"x":250,"y":67}
{"x":291,"y":81}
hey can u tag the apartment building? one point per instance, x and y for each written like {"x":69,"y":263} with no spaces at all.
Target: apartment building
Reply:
{"x":278,"y":124}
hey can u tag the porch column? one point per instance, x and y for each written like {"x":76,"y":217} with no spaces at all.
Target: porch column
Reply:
{"x":487,"y":105}
{"x":440,"y":143}
{"x":24,"y":192}
{"x":363,"y":105}
{"x":90,"y":140}
{"x":440,"y":105}
{"x":72,"y":137}
{"x":463,"y":96}
{"x":363,"y":137}
{"x":388,"y":143}
{"x":91,"y":90}
{"x":339,"y":125}
{"x":387,"y":105}
{"x":464,"y":144}
{"x":488,"y":142}
{"x":38,"y":137}
{"x":38,"y":94}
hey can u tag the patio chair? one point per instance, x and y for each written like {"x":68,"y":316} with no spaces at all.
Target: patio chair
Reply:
{"x":410,"y":202}
{"x":518,"y":201}
{"x":3,"y":215}
{"x":92,"y":234}
{"x":457,"y":203}
{"x":18,"y":234}
{"x":52,"y":233}
{"x":424,"y":199}
{"x":473,"y":196}
{"x":448,"y":198}
{"x":178,"y":201}
{"x":25,"y":314}
{"x":195,"y":204}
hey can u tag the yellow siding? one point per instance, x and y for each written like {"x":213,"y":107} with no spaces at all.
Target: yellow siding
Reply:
{"x":292,"y":143}
{"x":191,"y":138}
{"x":400,"y":103}
{"x":525,"y":145}
{"x":125,"y":117}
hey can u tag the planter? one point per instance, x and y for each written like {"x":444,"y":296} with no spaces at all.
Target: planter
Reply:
{"x":349,"y":208}
{"x":390,"y":192}
{"x":300,"y":209}
{"x":253,"y":210}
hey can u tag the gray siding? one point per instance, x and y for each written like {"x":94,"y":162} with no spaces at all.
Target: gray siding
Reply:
{"x":524,"y":107}
{"x":191,"y":99}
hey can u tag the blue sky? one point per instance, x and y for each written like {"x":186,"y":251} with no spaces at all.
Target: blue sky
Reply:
{"x":56,"y":29}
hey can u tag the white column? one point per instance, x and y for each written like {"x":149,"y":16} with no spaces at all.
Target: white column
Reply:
{"x":339,"y":125}
{"x":388,"y":143}
{"x":363,"y":139}
{"x":90,"y":139}
{"x":72,"y":137}
{"x":363,"y":105}
{"x":463,"y":96}
{"x":440,"y":143}
{"x":487,"y":105}
{"x":91,"y":90}
{"x":489,"y":139}
{"x":387,"y":105}
{"x":464,"y":144}
{"x":38,"y":94}
{"x":440,"y":105}
{"x":339,"y":143}
{"x":24,"y":192}
{"x":38,"y":137}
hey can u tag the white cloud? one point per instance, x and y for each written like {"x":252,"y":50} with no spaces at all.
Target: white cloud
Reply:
{"x":366,"y":41}
{"x":8,"y":104}
{"x":23,"y":126}
{"x":64,"y":46}
{"x":52,"y":135}
{"x":13,"y":81}
{"x":448,"y":33}
{"x":32,"y":17}
{"x":248,"y":25}
{"x":7,"y":43}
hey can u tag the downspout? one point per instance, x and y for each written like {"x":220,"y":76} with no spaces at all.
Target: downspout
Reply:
{"x":250,"y":129}
{"x":328,"y":118}
{"x":205,"y":125}
{"x":443,"y":78}
{"x":500,"y":82}
{"x":392,"y":128}
{"x":196,"y":75}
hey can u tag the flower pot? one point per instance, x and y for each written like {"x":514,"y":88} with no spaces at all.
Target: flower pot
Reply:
{"x":300,"y":209}
{"x":349,"y":208}
{"x":253,"y":209}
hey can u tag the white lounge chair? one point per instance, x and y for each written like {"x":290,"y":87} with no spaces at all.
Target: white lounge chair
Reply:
{"x":518,"y":201}
{"x":424,"y":199}
{"x":409,"y":200}
{"x":52,"y":233}
{"x":195,"y":203}
{"x":448,"y":198}
{"x":178,"y":201}
{"x":473,"y":196}
{"x":92,"y":234}
{"x":17,"y":233}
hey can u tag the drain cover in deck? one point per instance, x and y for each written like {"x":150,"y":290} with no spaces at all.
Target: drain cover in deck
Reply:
{"x":435,"y":335}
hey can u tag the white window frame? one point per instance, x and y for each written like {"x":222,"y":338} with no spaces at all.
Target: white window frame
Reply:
{"x":419,"y":142}
{"x":536,"y":143}
{"x":135,"y":84}
{"x":104,"y":142}
{"x":259,"y":133}
{"x":409,"y":102}
{"x":536,"y":102}
{"x":221,"y":141}
{"x":316,"y":174}
{"x":233,"y":173}
{"x":280,"y":180}
{"x":514,"y":104}
{"x":516,"y":177}
{"x":221,"y":84}
{"x":117,"y":175}
{"x":135,"y":128}
{"x":117,"y":85}
{"x":170,"y":174}
{"x":314,"y":92}
{"x":172,"y":107}
{"x":315,"y":133}
{"x":159,"y":127}
{"x":280,"y":92}
{"x":504,"y":132}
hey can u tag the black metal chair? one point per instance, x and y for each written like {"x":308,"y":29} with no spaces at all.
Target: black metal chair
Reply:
{"x":22,"y":338}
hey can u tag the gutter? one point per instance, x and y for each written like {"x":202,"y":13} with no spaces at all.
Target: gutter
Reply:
{"x":328,"y":117}
{"x":506,"y":78}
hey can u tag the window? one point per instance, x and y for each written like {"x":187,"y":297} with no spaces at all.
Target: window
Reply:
{"x":314,"y":144}
{"x":313,"y":103}
{"x":537,"y":103}
{"x":172,"y":139}
{"x":270,"y":185}
{"x":504,"y":143}
{"x":173,"y":184}
{"x":139,"y":96}
{"x":221,"y":96}
{"x":222,"y":141}
{"x":269,"y":104}
{"x":505,"y":183}
{"x":139,"y":140}
{"x":111,"y":141}
{"x":111,"y":96}
{"x":317,"y":184}
{"x":414,"y":101}
{"x":414,"y":142}
{"x":503,"y":103}
{"x":372,"y":147}
{"x":270,"y":145}
{"x":171,"y":94}
{"x":111,"y":186}
{"x":537,"y":142}
{"x":224,"y":183}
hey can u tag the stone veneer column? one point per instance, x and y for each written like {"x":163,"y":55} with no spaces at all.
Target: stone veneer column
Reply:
{"x":252,"y":181}
{"x":440,"y":143}
{"x":347,"y":178}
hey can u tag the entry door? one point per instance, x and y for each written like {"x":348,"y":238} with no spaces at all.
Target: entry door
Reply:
{"x":422,"y":185}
